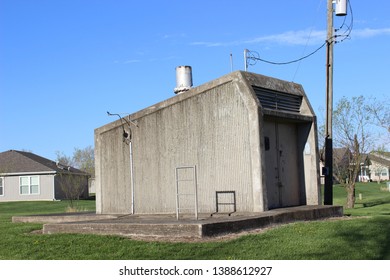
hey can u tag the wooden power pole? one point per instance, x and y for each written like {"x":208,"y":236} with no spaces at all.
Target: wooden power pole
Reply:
{"x":328,"y":188}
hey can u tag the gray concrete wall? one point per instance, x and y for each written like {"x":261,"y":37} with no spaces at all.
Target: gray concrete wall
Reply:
{"x":209,"y":130}
{"x":310,"y":151}
{"x":112,"y":168}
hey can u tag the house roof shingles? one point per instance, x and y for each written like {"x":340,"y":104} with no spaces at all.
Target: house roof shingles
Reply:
{"x":13,"y":161}
{"x":382,"y":161}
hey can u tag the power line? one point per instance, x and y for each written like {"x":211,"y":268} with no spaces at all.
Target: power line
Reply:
{"x":347,"y":32}
{"x":255,"y":56}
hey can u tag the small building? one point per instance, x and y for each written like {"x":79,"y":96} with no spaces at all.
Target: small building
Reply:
{"x":26,"y":176}
{"x":243,"y":142}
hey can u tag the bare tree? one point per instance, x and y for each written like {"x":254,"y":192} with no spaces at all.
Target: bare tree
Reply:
{"x":352,"y":130}
{"x":359,"y":125}
{"x":64,"y":159}
{"x":73,"y":182}
{"x":73,"y":186}
{"x":380,"y":112}
{"x":341,"y":164}
{"x":83,"y":159}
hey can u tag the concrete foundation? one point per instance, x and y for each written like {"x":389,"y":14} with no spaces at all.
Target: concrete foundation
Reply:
{"x":186,"y":226}
{"x":61,"y":218}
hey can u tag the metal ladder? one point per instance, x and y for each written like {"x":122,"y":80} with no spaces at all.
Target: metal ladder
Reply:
{"x":194,"y":190}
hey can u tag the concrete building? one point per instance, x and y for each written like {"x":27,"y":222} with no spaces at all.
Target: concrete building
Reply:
{"x":241,"y":143}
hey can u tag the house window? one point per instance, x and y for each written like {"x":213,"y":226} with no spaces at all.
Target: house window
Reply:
{"x":1,"y":186}
{"x":29,"y":185}
{"x":382,"y":172}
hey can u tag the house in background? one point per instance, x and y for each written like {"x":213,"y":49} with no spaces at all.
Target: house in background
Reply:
{"x":26,"y":176}
{"x":380,"y":166}
{"x":373,"y":166}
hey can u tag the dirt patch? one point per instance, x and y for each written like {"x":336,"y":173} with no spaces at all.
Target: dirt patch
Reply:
{"x":38,"y":231}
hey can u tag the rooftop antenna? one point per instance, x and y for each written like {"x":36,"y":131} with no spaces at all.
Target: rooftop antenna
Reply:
{"x":231,"y":62}
{"x":246,"y":59}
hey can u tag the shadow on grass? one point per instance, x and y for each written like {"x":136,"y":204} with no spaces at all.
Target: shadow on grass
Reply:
{"x":375,"y":202}
{"x":367,"y":236}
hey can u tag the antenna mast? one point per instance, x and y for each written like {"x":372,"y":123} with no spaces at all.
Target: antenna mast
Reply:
{"x":246,"y":59}
{"x":231,"y":62}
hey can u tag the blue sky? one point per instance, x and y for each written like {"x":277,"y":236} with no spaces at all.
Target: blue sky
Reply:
{"x":63,"y":64}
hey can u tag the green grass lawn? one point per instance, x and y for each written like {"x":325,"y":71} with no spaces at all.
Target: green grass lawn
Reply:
{"x":365,"y":238}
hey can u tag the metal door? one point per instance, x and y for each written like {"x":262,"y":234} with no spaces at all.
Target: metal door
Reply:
{"x":281,"y":160}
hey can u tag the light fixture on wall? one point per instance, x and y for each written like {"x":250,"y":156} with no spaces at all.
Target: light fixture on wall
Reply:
{"x":127,"y":138}
{"x":126,"y":135}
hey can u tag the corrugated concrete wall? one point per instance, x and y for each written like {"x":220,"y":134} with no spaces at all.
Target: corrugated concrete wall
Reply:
{"x":217,"y":127}
{"x":112,"y":164}
{"x":209,"y":130}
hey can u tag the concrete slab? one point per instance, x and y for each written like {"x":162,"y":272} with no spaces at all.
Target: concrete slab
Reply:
{"x":187,"y":226}
{"x":61,"y":218}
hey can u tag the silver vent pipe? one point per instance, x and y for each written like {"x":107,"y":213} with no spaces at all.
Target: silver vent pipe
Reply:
{"x":183,"y":79}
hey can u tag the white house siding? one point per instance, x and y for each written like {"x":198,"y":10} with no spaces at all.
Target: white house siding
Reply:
{"x":379,"y":172}
{"x":12,"y":188}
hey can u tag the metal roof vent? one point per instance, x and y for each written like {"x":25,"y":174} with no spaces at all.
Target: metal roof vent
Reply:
{"x":183,"y":79}
{"x":278,"y":101}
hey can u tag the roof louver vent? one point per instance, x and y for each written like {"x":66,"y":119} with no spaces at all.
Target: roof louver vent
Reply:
{"x":278,"y":101}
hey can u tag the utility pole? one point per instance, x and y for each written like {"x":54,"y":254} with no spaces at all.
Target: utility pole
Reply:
{"x":341,"y":10}
{"x":328,"y":188}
